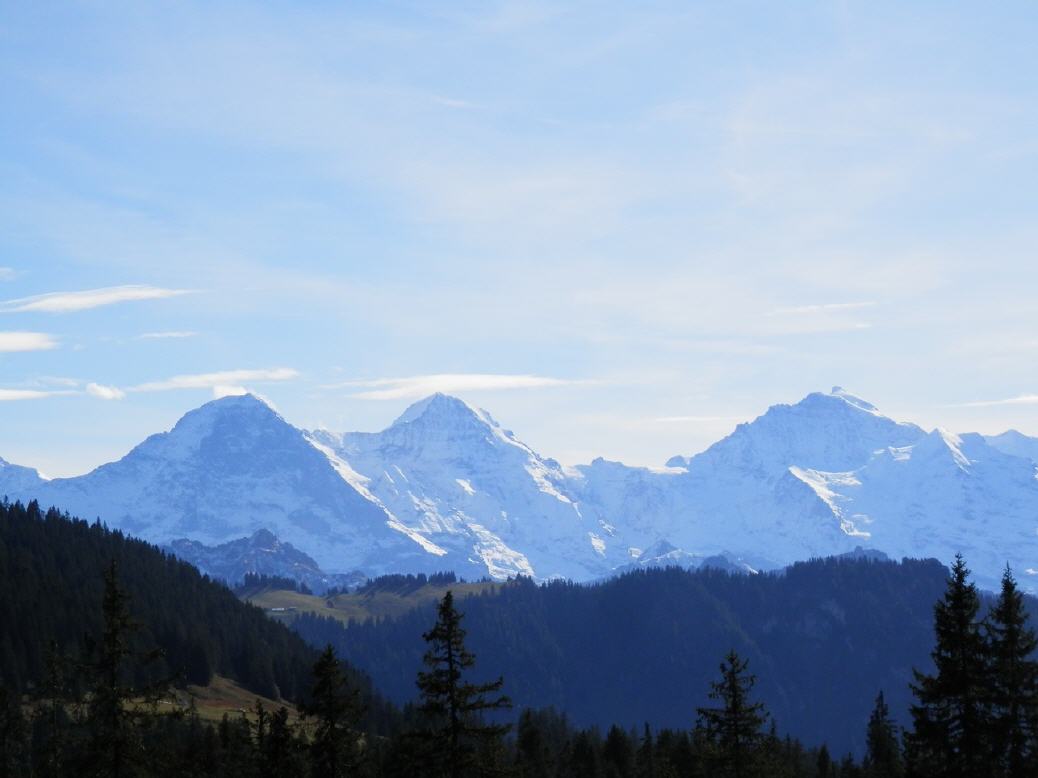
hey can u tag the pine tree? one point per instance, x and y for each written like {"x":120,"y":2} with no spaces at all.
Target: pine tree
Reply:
{"x":51,"y":720}
{"x":736,"y":727}
{"x":115,"y":704}
{"x":882,"y":745}
{"x":279,"y":758}
{"x":453,"y":707}
{"x":618,"y":753}
{"x":335,"y":705}
{"x":645,"y":766}
{"x":951,"y":719}
{"x":824,"y":763}
{"x":1014,"y":683}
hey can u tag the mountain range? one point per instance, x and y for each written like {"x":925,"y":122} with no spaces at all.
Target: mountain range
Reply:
{"x":445,"y":487}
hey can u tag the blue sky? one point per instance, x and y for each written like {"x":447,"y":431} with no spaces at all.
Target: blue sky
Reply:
{"x":621,"y":228}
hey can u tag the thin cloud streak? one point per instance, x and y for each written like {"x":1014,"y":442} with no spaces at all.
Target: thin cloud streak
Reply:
{"x":164,"y":335}
{"x":822,"y":308}
{"x":11,"y":395}
{"x":421,"y":386}
{"x":223,"y":378}
{"x":26,"y":341}
{"x":1024,"y":399}
{"x":70,"y":302}
{"x":697,"y":419}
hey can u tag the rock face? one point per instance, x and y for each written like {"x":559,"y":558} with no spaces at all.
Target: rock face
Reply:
{"x":261,"y":554}
{"x":445,"y":487}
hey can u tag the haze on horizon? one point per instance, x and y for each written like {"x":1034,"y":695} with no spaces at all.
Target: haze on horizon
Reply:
{"x":620,"y":230}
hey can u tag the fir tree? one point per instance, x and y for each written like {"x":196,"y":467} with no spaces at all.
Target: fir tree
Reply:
{"x":882,"y":745}
{"x":824,"y":763}
{"x":735,"y":728}
{"x":280,"y":757}
{"x":951,"y":719}
{"x":645,"y":766}
{"x":335,"y":705}
{"x":453,"y":707}
{"x":115,"y":705}
{"x":51,"y":720}
{"x":1014,"y":683}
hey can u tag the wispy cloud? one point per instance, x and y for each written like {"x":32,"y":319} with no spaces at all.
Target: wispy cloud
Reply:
{"x":8,"y":273}
{"x":821,"y":308}
{"x":103,"y":392}
{"x":26,"y":341}
{"x":165,"y":335}
{"x":1023,"y":399}
{"x":423,"y":385}
{"x":9,"y":395}
{"x":697,"y":419}
{"x":68,"y":302}
{"x":224,"y":379}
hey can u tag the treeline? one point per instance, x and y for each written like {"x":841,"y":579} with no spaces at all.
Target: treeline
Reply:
{"x":253,"y":583}
{"x":644,"y":646}
{"x":405,"y":583}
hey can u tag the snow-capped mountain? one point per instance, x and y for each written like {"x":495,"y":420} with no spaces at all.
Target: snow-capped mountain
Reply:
{"x":445,"y":487}
{"x":825,"y":476}
{"x":228,"y":469}
{"x":450,"y":472}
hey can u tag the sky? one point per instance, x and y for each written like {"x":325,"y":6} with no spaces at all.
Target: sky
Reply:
{"x":622,"y":228}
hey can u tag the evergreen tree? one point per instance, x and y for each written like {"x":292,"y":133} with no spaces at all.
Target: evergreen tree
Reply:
{"x":618,"y":753}
{"x":453,"y":707}
{"x":824,"y":763}
{"x":51,"y":721}
{"x":1014,"y":683}
{"x":280,"y":756}
{"x":951,"y":719}
{"x":645,"y":765}
{"x":115,"y":703}
{"x":335,"y":705}
{"x":882,"y":745}
{"x":735,"y":727}
{"x":531,"y":750}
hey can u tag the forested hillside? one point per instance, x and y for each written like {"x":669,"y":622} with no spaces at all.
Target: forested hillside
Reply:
{"x":823,"y":638}
{"x":51,"y":578}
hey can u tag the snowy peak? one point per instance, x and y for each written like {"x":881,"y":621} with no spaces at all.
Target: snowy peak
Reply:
{"x":850,"y":399}
{"x":221,"y":427}
{"x":1015,"y":444}
{"x":440,"y":409}
{"x":833,"y":432}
